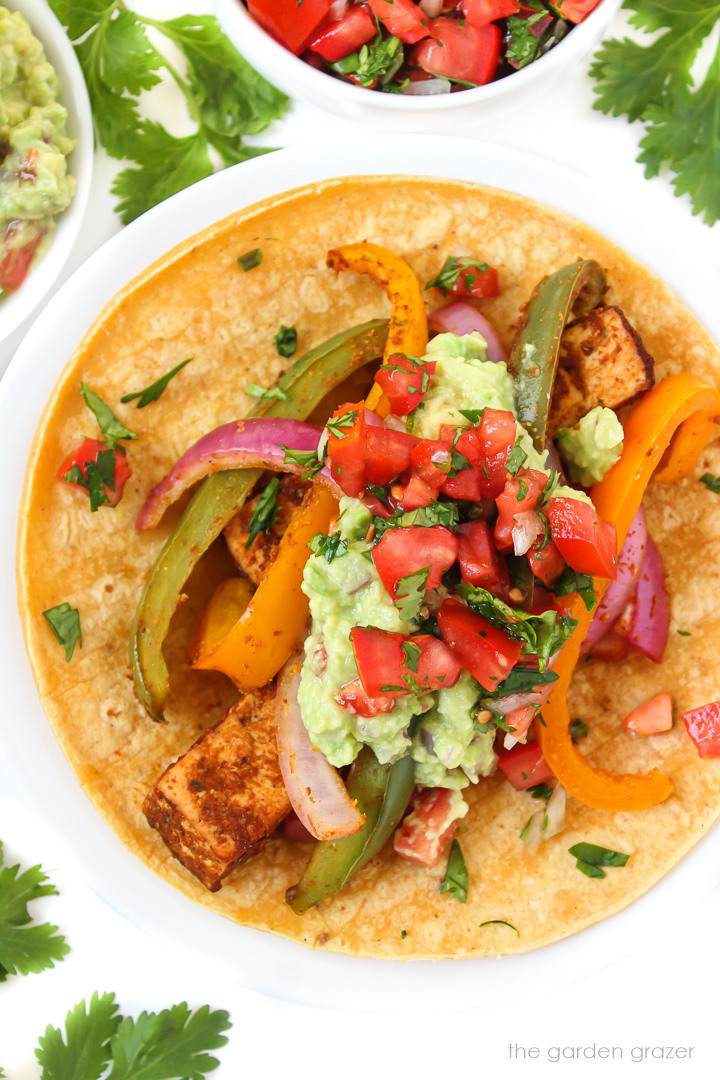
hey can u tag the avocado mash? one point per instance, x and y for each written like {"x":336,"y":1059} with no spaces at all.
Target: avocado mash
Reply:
{"x":592,"y":446}
{"x":34,"y":145}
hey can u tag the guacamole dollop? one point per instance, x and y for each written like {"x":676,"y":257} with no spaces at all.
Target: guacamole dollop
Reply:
{"x":34,"y":145}
{"x":592,"y":446}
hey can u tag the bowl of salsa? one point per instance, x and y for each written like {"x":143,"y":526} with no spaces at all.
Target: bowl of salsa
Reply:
{"x":415,"y":65}
{"x":46,"y":152}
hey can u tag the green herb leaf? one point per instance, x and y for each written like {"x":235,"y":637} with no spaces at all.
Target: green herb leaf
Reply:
{"x":64,"y":621}
{"x":274,"y":392}
{"x":328,"y":547}
{"x":379,"y":59}
{"x":410,"y":593}
{"x":522,"y":45}
{"x":437,"y":513}
{"x":412,"y":654}
{"x":447,"y":279}
{"x":578,"y":730}
{"x":250,"y":260}
{"x":86,"y":1049}
{"x":455,"y":881}
{"x":339,"y":426}
{"x":522,"y":680}
{"x":286,"y":341}
{"x":591,"y":857}
{"x":403,"y":934}
{"x":500,"y":922}
{"x":589,"y":870}
{"x":572,"y":582}
{"x":95,"y":477}
{"x":652,"y":82}
{"x":541,"y":791}
{"x":265,"y":511}
{"x":516,"y":459}
{"x":25,"y":947}
{"x":542,"y":635}
{"x":308,"y":459}
{"x":712,"y":483}
{"x":154,"y":390}
{"x":108,"y":422}
{"x":473,"y":415}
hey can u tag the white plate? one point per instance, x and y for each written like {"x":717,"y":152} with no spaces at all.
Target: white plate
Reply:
{"x":258,"y":960}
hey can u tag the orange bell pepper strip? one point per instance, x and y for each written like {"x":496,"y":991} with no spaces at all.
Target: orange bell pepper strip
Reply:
{"x":259,"y":642}
{"x":408,"y":332}
{"x":678,"y":413}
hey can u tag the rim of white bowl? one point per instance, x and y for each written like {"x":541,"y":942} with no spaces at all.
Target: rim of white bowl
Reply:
{"x":17,"y":307}
{"x":303,"y":74}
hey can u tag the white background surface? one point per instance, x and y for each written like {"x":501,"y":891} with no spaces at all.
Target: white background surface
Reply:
{"x":664,"y":995}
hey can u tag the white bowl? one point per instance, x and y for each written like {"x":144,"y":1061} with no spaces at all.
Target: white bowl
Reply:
{"x":397,"y":112}
{"x":255,"y":959}
{"x":14,"y":309}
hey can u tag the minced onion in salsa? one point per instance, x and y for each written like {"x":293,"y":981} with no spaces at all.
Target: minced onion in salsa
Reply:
{"x":419,"y":47}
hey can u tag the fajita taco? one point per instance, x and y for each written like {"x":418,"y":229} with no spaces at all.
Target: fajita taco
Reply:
{"x":219,"y":826}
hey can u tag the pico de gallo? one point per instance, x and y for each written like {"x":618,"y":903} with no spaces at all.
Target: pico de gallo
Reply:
{"x":419,"y":47}
{"x":454,"y":564}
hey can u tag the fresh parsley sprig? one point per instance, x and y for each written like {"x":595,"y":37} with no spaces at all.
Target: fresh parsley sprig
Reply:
{"x":653,"y":81}
{"x":225,"y":98}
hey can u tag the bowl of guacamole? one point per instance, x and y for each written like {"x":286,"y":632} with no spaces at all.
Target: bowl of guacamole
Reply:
{"x":46,"y":151}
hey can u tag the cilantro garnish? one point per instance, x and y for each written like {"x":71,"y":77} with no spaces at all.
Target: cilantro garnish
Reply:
{"x":499,"y":922}
{"x":264,"y":513}
{"x":540,"y":791}
{"x":523,"y":46}
{"x":437,"y":513}
{"x":473,"y":415}
{"x":403,"y":934}
{"x":578,"y":730}
{"x":447,"y":279}
{"x":152,"y":393}
{"x":286,"y":341}
{"x":308,"y":459}
{"x":410,"y":593}
{"x":572,"y":582}
{"x":108,"y":422}
{"x":523,"y":680}
{"x":250,"y":260}
{"x":26,"y":948}
{"x":455,"y":881}
{"x":590,"y":858}
{"x":328,"y":547}
{"x":516,"y":459}
{"x":412,"y":654}
{"x":64,"y":621}
{"x":379,"y":59}
{"x":339,"y":426}
{"x":169,"y":1045}
{"x":542,"y":635}
{"x":712,"y":483}
{"x":652,"y":82}
{"x":273,"y":392}
{"x":95,"y":477}
{"x":225,"y":98}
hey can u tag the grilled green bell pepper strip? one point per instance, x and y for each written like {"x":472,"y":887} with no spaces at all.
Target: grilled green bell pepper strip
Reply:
{"x":221,"y":495}
{"x":382,"y":792}
{"x":575,"y":289}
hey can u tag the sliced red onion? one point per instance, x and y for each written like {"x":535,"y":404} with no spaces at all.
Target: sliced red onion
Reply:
{"x":528,"y":526}
{"x":548,"y":822}
{"x":650,"y":619}
{"x":316,"y":792}
{"x":256,"y":442}
{"x":427,"y":87}
{"x":432,"y":8}
{"x":619,"y":591}
{"x":506,"y":705}
{"x":519,"y":720}
{"x":462,"y":318}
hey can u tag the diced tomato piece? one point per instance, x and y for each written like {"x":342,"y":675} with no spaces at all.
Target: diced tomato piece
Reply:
{"x":402,"y":18}
{"x":428,"y":828}
{"x":586,"y":542}
{"x":458,"y":50}
{"x":388,"y":671}
{"x":520,"y":495}
{"x":340,"y":37}
{"x":496,"y":438}
{"x":479,"y":562}
{"x":524,"y":766}
{"x":482,"y":12}
{"x":430,"y":460}
{"x":16,"y":262}
{"x":355,"y":699}
{"x":575,"y":11}
{"x":290,"y":23}
{"x":477,"y":283}
{"x":484,"y":651}
{"x":468,"y":481}
{"x":652,"y":717}
{"x":86,"y":453}
{"x":386,"y":453}
{"x":467,"y":485}
{"x":346,"y":449}
{"x":703,"y":727}
{"x":502,"y":587}
{"x":415,"y":493}
{"x":405,"y":550}
{"x":519,"y":720}
{"x":404,"y":382}
{"x":546,"y":562}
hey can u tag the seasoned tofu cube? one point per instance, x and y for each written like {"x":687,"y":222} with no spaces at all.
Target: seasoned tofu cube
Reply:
{"x":217,"y":803}
{"x":256,"y":560}
{"x":602,"y":362}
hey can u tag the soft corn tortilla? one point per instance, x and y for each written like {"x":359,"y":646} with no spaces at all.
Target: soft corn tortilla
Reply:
{"x":196,"y":302}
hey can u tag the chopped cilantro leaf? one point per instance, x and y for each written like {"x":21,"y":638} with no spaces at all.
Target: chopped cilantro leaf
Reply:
{"x":250,"y":260}
{"x":523,"y":46}
{"x":685,"y":633}
{"x":95,"y":477}
{"x":591,"y":858}
{"x":473,"y":415}
{"x":572,"y":582}
{"x":26,"y":948}
{"x":378,"y":60}
{"x":712,"y":483}
{"x":152,"y":393}
{"x":447,"y":279}
{"x":540,"y":791}
{"x":108,"y":423}
{"x":500,"y":922}
{"x":64,"y":621}
{"x":578,"y":730}
{"x":542,"y":635}
{"x":412,"y":654}
{"x":403,"y":934}
{"x":286,"y":341}
{"x":339,"y":426}
{"x":410,"y":593}
{"x":264,"y":513}
{"x":516,"y":459}
{"x":437,"y":513}
{"x":308,"y":459}
{"x":455,"y":881}
{"x":328,"y":547}
{"x":274,"y":392}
